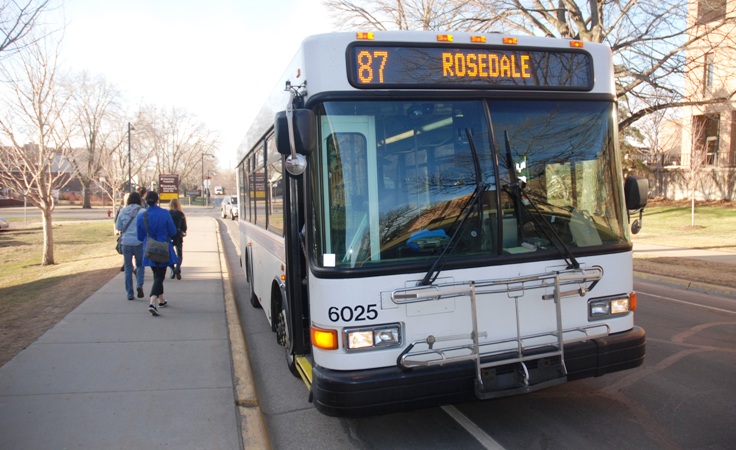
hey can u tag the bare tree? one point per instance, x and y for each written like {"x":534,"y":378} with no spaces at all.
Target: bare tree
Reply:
{"x":174,"y":141}
{"x":34,"y":109}
{"x":699,"y":157}
{"x":96,"y":105}
{"x":648,"y":37}
{"x":17,"y":21}
{"x":406,"y":14}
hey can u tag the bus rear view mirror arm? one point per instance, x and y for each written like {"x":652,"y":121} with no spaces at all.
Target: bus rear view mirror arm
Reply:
{"x":295,"y":131}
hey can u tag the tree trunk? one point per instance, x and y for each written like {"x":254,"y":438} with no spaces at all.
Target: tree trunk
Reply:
{"x":692,"y":209}
{"x":48,"y":238}
{"x":85,"y":193}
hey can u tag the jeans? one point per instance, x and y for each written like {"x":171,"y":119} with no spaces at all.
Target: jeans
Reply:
{"x":130,"y":252}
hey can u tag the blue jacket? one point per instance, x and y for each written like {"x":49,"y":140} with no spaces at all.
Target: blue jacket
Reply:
{"x":161,"y":227}
{"x":130,"y":237}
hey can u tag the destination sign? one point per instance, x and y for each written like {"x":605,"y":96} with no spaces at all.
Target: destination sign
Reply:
{"x":476,"y":67}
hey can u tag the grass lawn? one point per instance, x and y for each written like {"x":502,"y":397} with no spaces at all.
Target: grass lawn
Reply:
{"x":34,"y":297}
{"x":670,"y":224}
{"x":76,"y":245}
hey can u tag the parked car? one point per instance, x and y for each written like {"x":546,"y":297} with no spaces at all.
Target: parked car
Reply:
{"x":219,"y":190}
{"x":4,"y":224}
{"x":229,"y":207}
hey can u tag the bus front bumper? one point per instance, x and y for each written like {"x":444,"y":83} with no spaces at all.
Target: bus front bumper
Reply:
{"x":391,"y":389}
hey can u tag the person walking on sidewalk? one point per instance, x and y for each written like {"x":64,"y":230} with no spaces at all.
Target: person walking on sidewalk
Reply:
{"x":156,"y":223}
{"x":180,"y":220}
{"x":142,"y":193}
{"x":132,"y":246}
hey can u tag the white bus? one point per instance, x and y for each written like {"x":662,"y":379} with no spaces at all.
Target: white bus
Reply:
{"x":429,"y":218}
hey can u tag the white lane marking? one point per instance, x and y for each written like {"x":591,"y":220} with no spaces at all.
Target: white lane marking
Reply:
{"x":480,"y":435}
{"x":687,"y":303}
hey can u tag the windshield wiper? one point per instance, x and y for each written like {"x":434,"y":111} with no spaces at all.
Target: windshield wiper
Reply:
{"x":516,"y":191}
{"x":477,"y":198}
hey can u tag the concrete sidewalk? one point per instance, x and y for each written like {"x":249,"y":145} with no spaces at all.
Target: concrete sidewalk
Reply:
{"x":110,"y":375}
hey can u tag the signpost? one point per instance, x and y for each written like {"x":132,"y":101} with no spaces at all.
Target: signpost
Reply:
{"x":168,"y":187}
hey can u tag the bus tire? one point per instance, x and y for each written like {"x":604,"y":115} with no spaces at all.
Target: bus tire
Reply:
{"x":284,"y":339}
{"x":254,"y":301}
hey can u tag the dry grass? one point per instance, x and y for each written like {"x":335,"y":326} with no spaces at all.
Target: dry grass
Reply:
{"x":706,"y":272}
{"x":33,"y":298}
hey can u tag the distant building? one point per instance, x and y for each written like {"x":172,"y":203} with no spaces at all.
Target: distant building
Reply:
{"x":62,"y":172}
{"x":708,"y":142}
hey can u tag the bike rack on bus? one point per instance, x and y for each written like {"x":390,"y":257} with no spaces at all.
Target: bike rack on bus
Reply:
{"x":493,"y":360}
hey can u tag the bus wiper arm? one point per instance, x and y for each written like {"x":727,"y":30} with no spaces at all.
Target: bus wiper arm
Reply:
{"x":514,"y":189}
{"x":477,"y":198}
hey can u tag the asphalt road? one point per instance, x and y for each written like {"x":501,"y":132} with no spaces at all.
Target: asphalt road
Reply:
{"x":683,"y":396}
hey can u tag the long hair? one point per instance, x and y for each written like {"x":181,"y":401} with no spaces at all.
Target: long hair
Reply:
{"x":175,"y":205}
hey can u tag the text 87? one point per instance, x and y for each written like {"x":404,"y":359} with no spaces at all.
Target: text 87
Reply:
{"x":371,"y":64}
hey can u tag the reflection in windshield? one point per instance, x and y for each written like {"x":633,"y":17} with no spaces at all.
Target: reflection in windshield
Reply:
{"x":393,"y":179}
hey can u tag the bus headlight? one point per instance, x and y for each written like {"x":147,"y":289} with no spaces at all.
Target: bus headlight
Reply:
{"x":600,"y":308}
{"x":372,"y":338}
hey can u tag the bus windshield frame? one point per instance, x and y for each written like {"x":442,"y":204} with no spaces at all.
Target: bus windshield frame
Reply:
{"x":395,"y":183}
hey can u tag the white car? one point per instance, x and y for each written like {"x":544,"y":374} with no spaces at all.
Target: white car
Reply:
{"x":229,"y":207}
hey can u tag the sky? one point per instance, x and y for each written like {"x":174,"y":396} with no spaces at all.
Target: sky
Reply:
{"x":217,"y":59}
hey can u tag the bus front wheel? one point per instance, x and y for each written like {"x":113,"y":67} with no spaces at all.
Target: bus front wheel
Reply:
{"x":284,"y":339}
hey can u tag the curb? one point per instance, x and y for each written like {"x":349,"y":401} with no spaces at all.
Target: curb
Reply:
{"x":686,"y":284}
{"x":253,"y":429}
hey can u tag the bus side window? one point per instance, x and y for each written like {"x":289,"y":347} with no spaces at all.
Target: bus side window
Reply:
{"x":275,"y":187}
{"x":259,"y":188}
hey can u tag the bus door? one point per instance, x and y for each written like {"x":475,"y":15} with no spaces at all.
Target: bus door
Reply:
{"x":353,"y":222}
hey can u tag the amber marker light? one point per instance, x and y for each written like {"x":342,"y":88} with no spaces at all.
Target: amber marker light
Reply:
{"x":510,"y":40}
{"x":478,"y":39}
{"x":632,"y":301}
{"x":364,"y":35}
{"x":576,"y":44}
{"x":324,"y":339}
{"x":444,"y":38}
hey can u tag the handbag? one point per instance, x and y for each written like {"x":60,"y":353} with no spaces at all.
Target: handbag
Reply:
{"x":119,"y":245}
{"x":156,"y":251}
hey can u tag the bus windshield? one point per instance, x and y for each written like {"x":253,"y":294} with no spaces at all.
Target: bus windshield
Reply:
{"x":399,"y":182}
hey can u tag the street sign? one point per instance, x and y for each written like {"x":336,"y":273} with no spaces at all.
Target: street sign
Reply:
{"x":168,"y":186}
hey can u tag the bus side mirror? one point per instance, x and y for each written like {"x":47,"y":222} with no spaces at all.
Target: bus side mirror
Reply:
{"x":305,"y":132}
{"x":636,"y":192}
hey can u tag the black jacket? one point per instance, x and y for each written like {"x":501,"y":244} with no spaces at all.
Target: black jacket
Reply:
{"x":180,"y":221}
